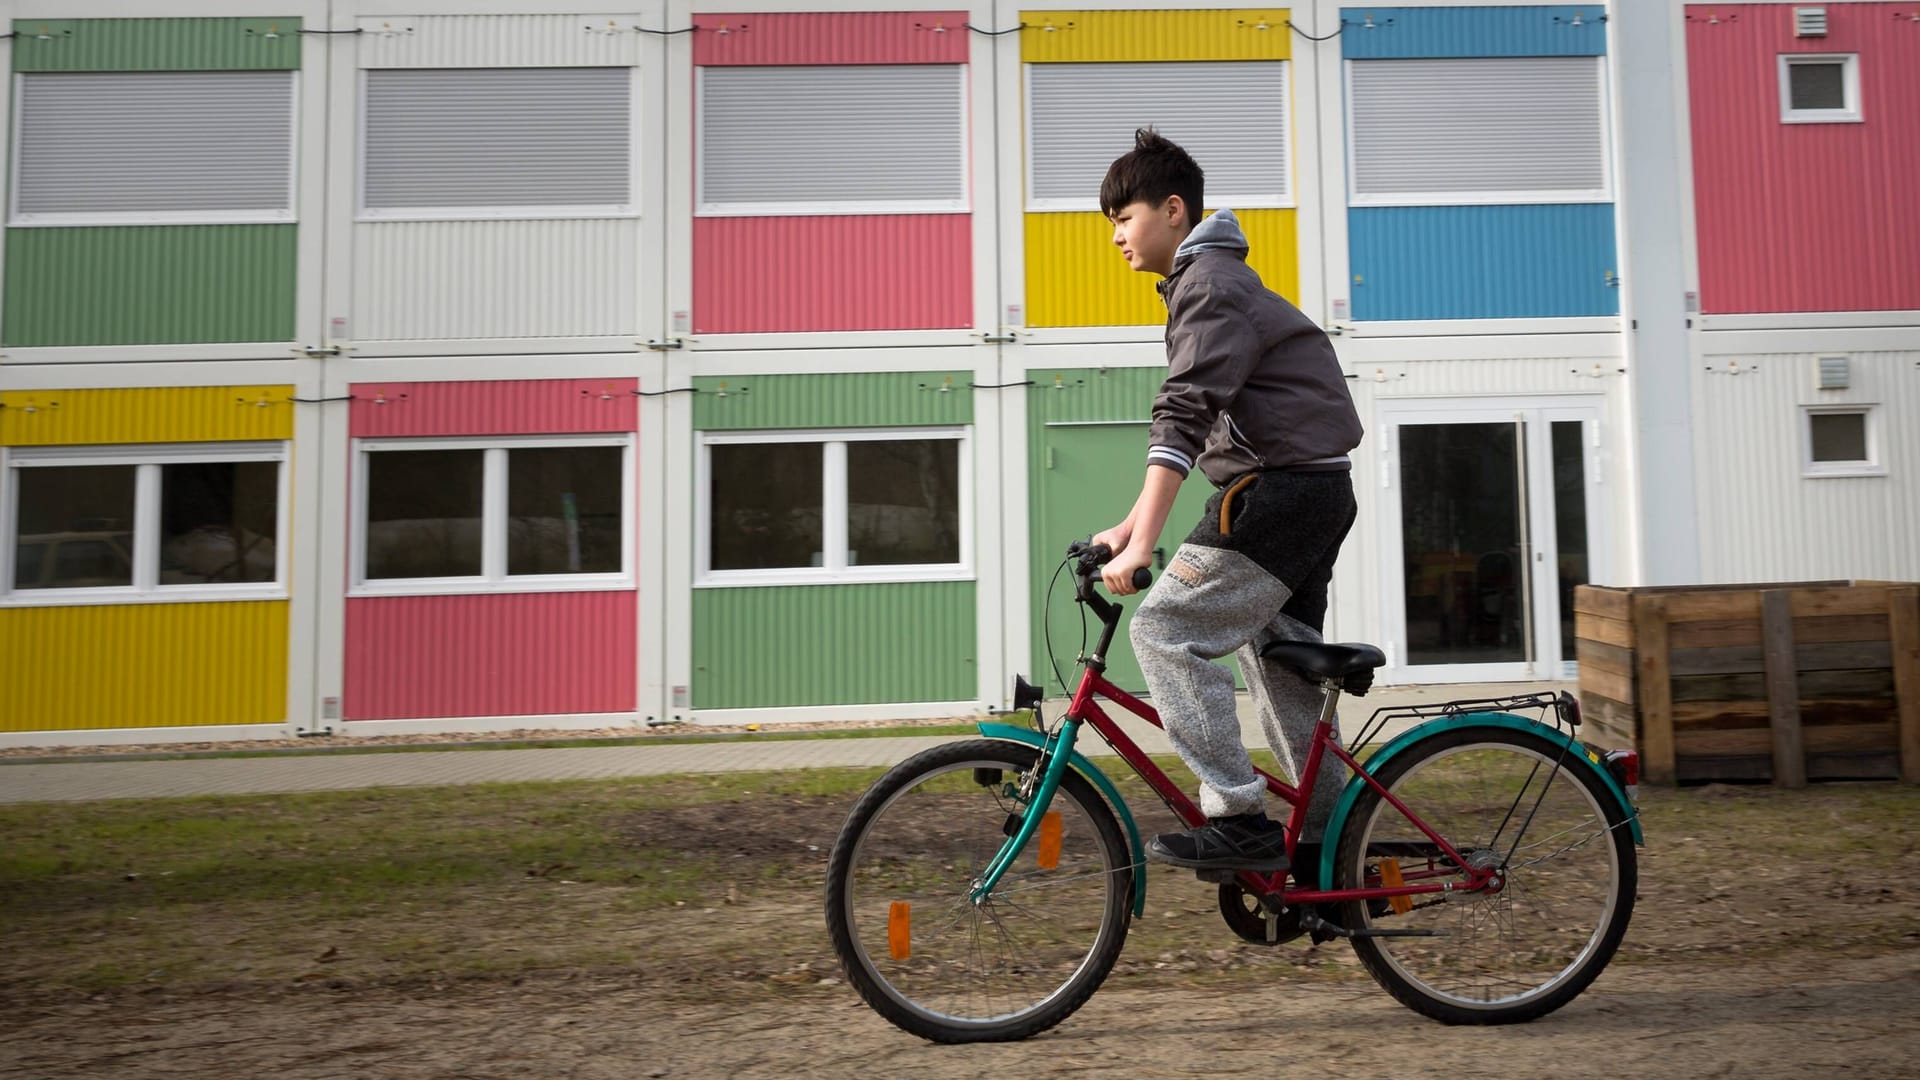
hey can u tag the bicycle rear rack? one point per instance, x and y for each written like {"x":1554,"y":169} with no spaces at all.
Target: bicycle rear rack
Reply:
{"x":1563,"y":707}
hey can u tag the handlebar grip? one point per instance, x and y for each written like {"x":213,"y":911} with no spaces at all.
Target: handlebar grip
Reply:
{"x":1142,"y":578}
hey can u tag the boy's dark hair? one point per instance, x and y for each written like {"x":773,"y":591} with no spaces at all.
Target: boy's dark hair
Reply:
{"x":1155,"y":168}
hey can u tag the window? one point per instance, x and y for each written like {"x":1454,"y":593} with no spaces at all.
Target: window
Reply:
{"x":170,"y":522}
{"x":822,"y":507}
{"x":1484,"y":130}
{"x":1820,"y":89}
{"x":1841,"y":440}
{"x":496,"y":142}
{"x":154,"y":147}
{"x":1231,"y":115}
{"x":868,"y":139}
{"x":526,"y":514}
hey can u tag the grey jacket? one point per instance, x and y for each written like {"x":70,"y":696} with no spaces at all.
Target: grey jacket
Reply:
{"x":1251,"y":382}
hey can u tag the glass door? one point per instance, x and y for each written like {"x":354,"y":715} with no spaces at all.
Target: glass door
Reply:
{"x":1487,"y":526}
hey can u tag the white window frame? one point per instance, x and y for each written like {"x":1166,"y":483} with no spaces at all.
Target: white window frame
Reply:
{"x":1849,"y":82}
{"x":833,"y":517}
{"x":1875,"y":463}
{"x":628,"y":209}
{"x":493,"y":576}
{"x":1602,"y":194}
{"x":1286,"y":199}
{"x":704,"y":208}
{"x":147,"y":461}
{"x":159,"y":217}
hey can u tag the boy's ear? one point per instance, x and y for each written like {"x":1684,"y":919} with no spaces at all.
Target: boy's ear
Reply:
{"x":1179,"y":215}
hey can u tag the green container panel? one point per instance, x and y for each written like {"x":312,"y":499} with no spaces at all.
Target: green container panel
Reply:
{"x":1090,"y":395}
{"x":875,"y":399}
{"x":264,"y":44}
{"x":149,"y":285}
{"x":834,"y":644}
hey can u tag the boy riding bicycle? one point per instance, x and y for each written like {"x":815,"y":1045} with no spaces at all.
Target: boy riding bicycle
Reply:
{"x":1254,"y":396}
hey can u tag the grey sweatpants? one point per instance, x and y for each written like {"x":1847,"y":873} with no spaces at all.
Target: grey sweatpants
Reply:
{"x":1211,"y":602}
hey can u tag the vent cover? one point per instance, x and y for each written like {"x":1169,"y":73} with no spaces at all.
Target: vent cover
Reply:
{"x":1835,"y":373}
{"x":1809,"y":22}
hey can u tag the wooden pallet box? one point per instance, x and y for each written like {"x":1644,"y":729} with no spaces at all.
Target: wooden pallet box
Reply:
{"x":1791,"y":682}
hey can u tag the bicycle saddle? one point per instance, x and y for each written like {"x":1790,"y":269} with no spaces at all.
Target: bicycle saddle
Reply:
{"x":1352,"y":663}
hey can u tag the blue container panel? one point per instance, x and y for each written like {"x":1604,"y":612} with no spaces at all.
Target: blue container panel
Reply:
{"x":1482,"y":262}
{"x":1401,"y":33}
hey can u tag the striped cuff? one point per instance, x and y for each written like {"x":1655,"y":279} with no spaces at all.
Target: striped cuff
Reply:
{"x":1171,"y":458}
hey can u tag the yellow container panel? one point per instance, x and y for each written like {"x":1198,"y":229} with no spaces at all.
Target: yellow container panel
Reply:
{"x":143,"y":665}
{"x":1076,"y":277}
{"x":147,"y":415}
{"x":1056,"y":37}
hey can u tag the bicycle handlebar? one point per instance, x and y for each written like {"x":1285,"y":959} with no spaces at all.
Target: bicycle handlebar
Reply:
{"x":1093,"y":556}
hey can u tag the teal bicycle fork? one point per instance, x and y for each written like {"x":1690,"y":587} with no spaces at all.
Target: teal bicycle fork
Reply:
{"x":1056,"y":754}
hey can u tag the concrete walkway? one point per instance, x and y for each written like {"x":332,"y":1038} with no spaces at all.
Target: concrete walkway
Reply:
{"x":89,"y":780}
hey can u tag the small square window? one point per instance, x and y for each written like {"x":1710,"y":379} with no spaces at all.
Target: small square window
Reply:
{"x":1819,"y":89}
{"x":1841,"y":441}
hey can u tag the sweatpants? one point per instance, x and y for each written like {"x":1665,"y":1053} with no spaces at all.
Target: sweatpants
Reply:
{"x":1261,"y":579}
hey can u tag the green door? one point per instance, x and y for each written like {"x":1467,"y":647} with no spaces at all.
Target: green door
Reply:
{"x":1088,"y":475}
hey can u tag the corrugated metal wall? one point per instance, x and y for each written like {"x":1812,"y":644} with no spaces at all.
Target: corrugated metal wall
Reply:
{"x":1482,"y":262}
{"x":490,"y":278}
{"x":507,"y":407}
{"x":873,"y":399}
{"x":762,"y":274}
{"x":1054,"y":37}
{"x":143,"y":665}
{"x":456,"y":41}
{"x":1075,"y":277}
{"x":134,"y":285}
{"x":790,"y":274}
{"x":1392,"y":33}
{"x":850,"y":37}
{"x":1804,"y":217}
{"x":1479,"y":261}
{"x":421,"y":280}
{"x":270,"y":43}
{"x":154,"y":415}
{"x":1760,"y":519}
{"x":139,"y":285}
{"x":514,"y":654}
{"x":834,"y":644}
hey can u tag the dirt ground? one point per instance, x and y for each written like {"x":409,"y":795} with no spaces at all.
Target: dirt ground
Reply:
{"x":1776,"y":934}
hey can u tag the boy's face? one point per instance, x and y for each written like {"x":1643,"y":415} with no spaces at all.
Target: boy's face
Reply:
{"x":1148,"y":235}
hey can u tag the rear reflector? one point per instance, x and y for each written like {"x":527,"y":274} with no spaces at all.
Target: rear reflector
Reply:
{"x":1390,"y":877}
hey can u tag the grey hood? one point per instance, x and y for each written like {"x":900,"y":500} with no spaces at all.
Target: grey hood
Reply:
{"x":1219,"y":231}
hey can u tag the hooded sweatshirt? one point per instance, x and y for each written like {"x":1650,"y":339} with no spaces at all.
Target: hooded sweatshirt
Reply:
{"x":1251,"y":382}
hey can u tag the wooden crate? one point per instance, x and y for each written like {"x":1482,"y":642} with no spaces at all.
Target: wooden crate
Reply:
{"x":1789,"y":682}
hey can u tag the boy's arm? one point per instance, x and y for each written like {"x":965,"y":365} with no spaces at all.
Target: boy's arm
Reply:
{"x":1148,"y":517}
{"x":1212,"y":347}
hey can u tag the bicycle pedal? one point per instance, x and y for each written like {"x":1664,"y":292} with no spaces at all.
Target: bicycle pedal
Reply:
{"x":1216,"y":876}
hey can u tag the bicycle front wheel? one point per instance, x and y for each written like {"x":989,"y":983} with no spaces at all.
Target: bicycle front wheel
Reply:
{"x":1501,"y":798}
{"x":925,"y":955}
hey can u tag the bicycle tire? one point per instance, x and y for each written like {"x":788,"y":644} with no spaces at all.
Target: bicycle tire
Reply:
{"x":1473,"y":761}
{"x":849,"y":927}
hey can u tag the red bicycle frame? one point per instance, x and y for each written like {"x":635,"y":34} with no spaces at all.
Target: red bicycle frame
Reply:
{"x":1085,"y":708}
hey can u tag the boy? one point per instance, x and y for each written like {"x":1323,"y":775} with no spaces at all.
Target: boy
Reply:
{"x":1254,"y":397}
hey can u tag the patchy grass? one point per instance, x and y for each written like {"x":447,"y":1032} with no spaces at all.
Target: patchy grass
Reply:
{"x":710,"y":886}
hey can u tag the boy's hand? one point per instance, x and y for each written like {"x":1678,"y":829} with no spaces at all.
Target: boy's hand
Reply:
{"x":1118,"y":574}
{"x":1117,"y":537}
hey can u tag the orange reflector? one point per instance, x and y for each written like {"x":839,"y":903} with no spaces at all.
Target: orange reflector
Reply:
{"x":1050,"y":828}
{"x":1390,"y":877}
{"x":899,"y":930}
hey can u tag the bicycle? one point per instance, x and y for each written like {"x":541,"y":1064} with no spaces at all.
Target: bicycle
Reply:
{"x":1482,"y":863}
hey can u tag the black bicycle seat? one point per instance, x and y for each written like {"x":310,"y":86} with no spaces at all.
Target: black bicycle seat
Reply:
{"x":1353,"y":662}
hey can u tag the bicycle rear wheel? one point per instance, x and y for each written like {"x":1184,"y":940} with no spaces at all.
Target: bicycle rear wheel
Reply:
{"x":1500,"y":797}
{"x":928,"y":958}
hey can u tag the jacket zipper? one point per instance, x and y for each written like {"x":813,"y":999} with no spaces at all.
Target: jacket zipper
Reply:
{"x":1234,"y":435}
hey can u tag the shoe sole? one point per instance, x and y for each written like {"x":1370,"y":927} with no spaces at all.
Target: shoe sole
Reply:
{"x":1155,"y":853}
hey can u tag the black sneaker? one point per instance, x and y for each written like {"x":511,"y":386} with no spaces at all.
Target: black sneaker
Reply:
{"x":1242,"y":842}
